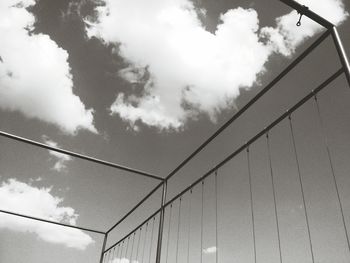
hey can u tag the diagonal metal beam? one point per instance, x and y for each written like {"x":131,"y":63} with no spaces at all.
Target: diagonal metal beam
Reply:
{"x":80,"y":156}
{"x":52,"y":222}
{"x":269,"y":86}
{"x":292,"y":65}
{"x":285,"y":115}
{"x":135,"y":207}
{"x":261,"y":133}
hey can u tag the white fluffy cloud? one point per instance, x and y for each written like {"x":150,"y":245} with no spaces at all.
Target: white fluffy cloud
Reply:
{"x":188,"y":69}
{"x":22,"y":198}
{"x":35,"y":76}
{"x":61,"y":159}
{"x":209,"y":250}
{"x":285,"y":37}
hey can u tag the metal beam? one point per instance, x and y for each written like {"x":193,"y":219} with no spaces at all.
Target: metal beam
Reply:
{"x":309,"y":13}
{"x":80,"y":156}
{"x":269,"y":86}
{"x":103,"y":247}
{"x":135,"y":229}
{"x":293,"y":64}
{"x":342,"y":54}
{"x":240,"y":149}
{"x":161,"y":223}
{"x":135,"y":207}
{"x":260,"y":134}
{"x":52,"y":222}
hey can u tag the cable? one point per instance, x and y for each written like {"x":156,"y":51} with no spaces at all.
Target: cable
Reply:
{"x":216,"y":218}
{"x":138,"y":245}
{"x":113,"y":254}
{"x":150,"y":247}
{"x":127,"y":248}
{"x":167,"y":244}
{"x":324,"y":135}
{"x":202,"y":215}
{"x":121,"y":251}
{"x":251,"y":202}
{"x":301,"y":187}
{"x":274,"y":195}
{"x":178,"y":231}
{"x":144,"y":244}
{"x":118,"y":250}
{"x":132,"y":247}
{"x":189,"y":226}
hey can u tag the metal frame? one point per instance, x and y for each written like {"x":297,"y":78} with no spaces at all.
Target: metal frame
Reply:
{"x":302,"y":10}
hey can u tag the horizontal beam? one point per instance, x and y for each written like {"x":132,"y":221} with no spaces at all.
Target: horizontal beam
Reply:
{"x":260,"y":134}
{"x":269,"y":86}
{"x":309,"y":13}
{"x":52,"y":222}
{"x":80,"y":156}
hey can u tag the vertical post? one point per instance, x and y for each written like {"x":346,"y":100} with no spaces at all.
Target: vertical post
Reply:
{"x":161,"y":223}
{"x":103,"y":247}
{"x":342,"y":54}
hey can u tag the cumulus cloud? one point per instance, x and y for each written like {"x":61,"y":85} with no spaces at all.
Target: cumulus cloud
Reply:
{"x":178,"y":69}
{"x":35,"y":76}
{"x":61,"y":159}
{"x":26,"y":199}
{"x":285,"y":37}
{"x":209,"y":250}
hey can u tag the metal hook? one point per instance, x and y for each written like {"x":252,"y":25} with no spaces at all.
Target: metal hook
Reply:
{"x":299,"y":21}
{"x":301,"y":12}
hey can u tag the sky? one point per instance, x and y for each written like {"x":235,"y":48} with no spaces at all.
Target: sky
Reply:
{"x":142,"y":84}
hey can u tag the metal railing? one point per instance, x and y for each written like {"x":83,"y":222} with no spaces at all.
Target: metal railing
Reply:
{"x":345,"y":69}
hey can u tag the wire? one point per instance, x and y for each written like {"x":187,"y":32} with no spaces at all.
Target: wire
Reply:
{"x":167,"y":245}
{"x":189,"y":227}
{"x":127,"y":247}
{"x":144,"y":244}
{"x":178,"y":231}
{"x":202,"y":215}
{"x":132,"y":247}
{"x":251,"y":202}
{"x":274,"y":196}
{"x":216,"y":218}
{"x":138,"y":245}
{"x":113,"y":254}
{"x":301,"y":188}
{"x":324,"y":135}
{"x":118,"y":250}
{"x":121,"y":250}
{"x":150,"y":247}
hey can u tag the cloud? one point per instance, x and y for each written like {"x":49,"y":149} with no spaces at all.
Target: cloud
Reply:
{"x":177,"y":69}
{"x":61,"y":159}
{"x":26,"y":199}
{"x":35,"y":76}
{"x":285,"y":37}
{"x":209,"y":250}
